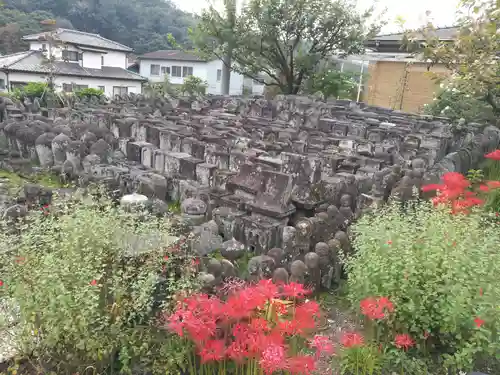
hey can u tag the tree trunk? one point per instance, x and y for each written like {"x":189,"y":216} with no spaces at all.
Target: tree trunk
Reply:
{"x":226,"y":72}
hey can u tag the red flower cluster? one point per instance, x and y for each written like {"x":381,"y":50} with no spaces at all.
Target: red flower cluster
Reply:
{"x":352,"y":339}
{"x":251,"y":324}
{"x":454,"y":191}
{"x":495,"y":155}
{"x":376,"y":308}
{"x":403,"y":341}
{"x":45,"y":209}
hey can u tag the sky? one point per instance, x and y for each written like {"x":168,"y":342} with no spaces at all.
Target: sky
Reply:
{"x":412,"y":11}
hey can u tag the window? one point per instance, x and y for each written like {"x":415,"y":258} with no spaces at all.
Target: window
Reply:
{"x":155,"y":70}
{"x":70,"y":55}
{"x":67,"y":87}
{"x":219,"y":75}
{"x":187,"y":71}
{"x":165,"y":70}
{"x":81,"y":87}
{"x":44,"y":47}
{"x":102,"y":88}
{"x":176,"y":71}
{"x":2,"y":83}
{"x":102,"y":60}
{"x":118,"y":90}
{"x":17,"y":85}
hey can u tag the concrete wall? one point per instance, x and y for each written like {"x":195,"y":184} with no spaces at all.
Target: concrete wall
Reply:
{"x":96,"y":83}
{"x":400,"y":85}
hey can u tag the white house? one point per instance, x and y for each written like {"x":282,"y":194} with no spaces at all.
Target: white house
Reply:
{"x":81,"y":60}
{"x":179,"y":65}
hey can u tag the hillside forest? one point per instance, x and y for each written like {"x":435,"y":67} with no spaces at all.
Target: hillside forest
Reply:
{"x":143,"y":25}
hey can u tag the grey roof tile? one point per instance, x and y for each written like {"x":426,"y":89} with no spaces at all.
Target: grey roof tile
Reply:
{"x":82,"y":38}
{"x":172,"y":54}
{"x":444,"y":33}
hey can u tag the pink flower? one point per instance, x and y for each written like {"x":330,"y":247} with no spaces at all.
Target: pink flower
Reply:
{"x":273,"y":359}
{"x":352,"y":339}
{"x":93,"y":282}
{"x":322,"y":344}
{"x":403,"y":341}
{"x":479,"y":322}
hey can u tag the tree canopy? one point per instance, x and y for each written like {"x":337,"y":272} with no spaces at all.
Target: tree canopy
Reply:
{"x":143,"y":25}
{"x":285,"y":40}
{"x":473,"y":56}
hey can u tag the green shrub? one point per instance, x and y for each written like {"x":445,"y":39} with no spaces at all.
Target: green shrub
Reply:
{"x":441,"y":273}
{"x":89,"y":280}
{"x":334,"y":83}
{"x":89,"y":92}
{"x":457,"y":105}
{"x":32,"y":90}
{"x":193,"y":86}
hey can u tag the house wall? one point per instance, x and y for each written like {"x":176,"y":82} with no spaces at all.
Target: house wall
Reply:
{"x":214,"y":85}
{"x":207,"y":71}
{"x":96,"y":83}
{"x":400,"y":85}
{"x":199,"y":69}
{"x":91,"y":59}
{"x":3,"y":78}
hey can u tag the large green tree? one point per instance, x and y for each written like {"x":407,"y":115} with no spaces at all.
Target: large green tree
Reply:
{"x":473,"y":55}
{"x":285,"y":39}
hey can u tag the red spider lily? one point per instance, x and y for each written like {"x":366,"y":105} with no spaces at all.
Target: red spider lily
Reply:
{"x":352,"y":339}
{"x":495,"y":155}
{"x":484,"y":188}
{"x":480,"y":291}
{"x":20,"y":260}
{"x":237,"y":351}
{"x":301,"y":365}
{"x":195,"y":262}
{"x":375,"y":308}
{"x":389,"y":242}
{"x":493,"y":184}
{"x":93,"y":282}
{"x":294,"y":290}
{"x":166,"y":257}
{"x":1,"y":283}
{"x":322,"y":344}
{"x":273,"y":359}
{"x":479,"y":322}
{"x":212,"y":350}
{"x":403,"y":341}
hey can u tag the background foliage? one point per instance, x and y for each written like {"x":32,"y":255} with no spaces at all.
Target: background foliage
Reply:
{"x":143,"y":25}
{"x":439,"y":271}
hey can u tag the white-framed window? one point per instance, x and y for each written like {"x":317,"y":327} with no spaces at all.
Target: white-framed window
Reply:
{"x":67,"y":87}
{"x":219,"y":75}
{"x":155,"y":70}
{"x":80,"y":87}
{"x":70,"y":55}
{"x":119,"y":90}
{"x":165,"y":70}
{"x":176,"y":71}
{"x":102,"y":60}
{"x":187,"y":71}
{"x":102,"y":88}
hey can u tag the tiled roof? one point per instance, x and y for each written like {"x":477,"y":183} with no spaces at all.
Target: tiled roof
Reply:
{"x":15,"y":57}
{"x":82,"y":38}
{"x":63,"y":68}
{"x":444,"y":33}
{"x":171,"y":55}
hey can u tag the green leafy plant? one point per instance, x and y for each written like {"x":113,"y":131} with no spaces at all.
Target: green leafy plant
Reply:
{"x":438,"y":271}
{"x":193,"y":86}
{"x":334,"y":83}
{"x":89,"y":280}
{"x":89,"y":92}
{"x":31,"y":91}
